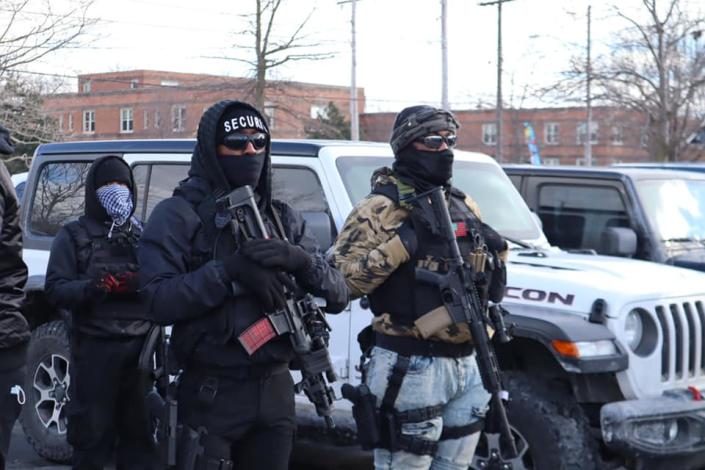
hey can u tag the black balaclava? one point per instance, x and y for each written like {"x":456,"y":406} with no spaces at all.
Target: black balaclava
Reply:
{"x":246,"y":169}
{"x":422,"y":169}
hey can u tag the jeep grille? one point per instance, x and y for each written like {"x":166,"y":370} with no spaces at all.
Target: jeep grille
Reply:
{"x":682,"y":349}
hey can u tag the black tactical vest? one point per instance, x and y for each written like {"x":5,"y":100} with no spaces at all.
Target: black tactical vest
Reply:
{"x":96,"y":253}
{"x":401,"y":295}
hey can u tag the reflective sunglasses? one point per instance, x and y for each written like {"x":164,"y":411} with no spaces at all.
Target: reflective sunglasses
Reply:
{"x":239,"y":141}
{"x":435,"y":141}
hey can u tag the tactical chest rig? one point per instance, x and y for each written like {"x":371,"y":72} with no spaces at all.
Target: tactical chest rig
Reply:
{"x":98,"y":251}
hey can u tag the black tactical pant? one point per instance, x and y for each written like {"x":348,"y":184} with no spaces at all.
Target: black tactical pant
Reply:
{"x":9,"y":408}
{"x":107,"y":409}
{"x":255,"y":417}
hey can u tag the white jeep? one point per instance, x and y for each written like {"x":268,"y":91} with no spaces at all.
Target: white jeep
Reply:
{"x":607,"y":359}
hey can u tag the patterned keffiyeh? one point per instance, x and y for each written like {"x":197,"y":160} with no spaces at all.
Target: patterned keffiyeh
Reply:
{"x":117,"y":201}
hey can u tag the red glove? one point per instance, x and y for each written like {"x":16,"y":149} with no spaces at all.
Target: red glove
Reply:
{"x":127,"y":282}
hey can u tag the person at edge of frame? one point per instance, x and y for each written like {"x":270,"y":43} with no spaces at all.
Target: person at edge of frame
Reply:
{"x":92,"y":272}
{"x":14,"y":330}
{"x":238,"y":409}
{"x":428,"y":379}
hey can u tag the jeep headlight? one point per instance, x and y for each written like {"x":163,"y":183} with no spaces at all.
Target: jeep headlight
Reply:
{"x":585,"y":349}
{"x":633,"y":329}
{"x":640,"y":332}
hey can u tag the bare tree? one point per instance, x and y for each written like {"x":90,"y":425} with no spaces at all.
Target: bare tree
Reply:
{"x":655,"y":67}
{"x":32,"y":29}
{"x":268,"y":49}
{"x":21,"y":112}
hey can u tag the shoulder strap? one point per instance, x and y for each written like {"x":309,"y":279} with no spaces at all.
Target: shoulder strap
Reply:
{"x":389,"y":190}
{"x":82,"y":242}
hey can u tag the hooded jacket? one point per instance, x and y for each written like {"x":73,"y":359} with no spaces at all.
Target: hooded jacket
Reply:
{"x":73,"y":266}
{"x":14,"y":331}
{"x":181,"y":266}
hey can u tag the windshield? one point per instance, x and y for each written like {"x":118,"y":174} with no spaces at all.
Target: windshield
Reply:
{"x":675,"y":208}
{"x":500,"y":203}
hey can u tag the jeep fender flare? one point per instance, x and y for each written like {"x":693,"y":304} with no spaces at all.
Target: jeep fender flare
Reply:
{"x":545,"y":327}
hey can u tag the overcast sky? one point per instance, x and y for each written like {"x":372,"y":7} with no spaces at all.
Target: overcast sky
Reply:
{"x":399,"y":53}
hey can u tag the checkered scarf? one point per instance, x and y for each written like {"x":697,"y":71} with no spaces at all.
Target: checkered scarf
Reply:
{"x":117,"y":201}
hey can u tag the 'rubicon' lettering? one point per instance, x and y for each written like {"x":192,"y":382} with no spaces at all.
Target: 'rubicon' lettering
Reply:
{"x":538,"y":295}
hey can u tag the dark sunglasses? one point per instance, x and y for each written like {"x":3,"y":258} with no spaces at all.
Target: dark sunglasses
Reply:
{"x":239,"y":141}
{"x":435,"y":141}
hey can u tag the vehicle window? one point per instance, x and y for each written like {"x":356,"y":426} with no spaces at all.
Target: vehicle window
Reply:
{"x":575,"y":216}
{"x":59,"y":197}
{"x":501,"y":205}
{"x":299,"y":187}
{"x":156,"y":182}
{"x":675,"y":208}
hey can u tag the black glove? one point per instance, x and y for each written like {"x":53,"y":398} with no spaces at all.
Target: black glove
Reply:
{"x":275,"y":253}
{"x":407,"y":235}
{"x":266,"y":284}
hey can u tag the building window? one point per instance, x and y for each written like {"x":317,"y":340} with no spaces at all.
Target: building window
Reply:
{"x":550,"y":134}
{"x":645,"y":138}
{"x":61,"y":122}
{"x":178,"y":118}
{"x":269,"y":113}
{"x":70,"y":123}
{"x":157,"y":119}
{"x":317,"y":111}
{"x":126,"y":120}
{"x":145,"y":119}
{"x":169,"y":83}
{"x":489,"y":133}
{"x":88,"y":122}
{"x":86,"y":87}
{"x":580,"y":133}
{"x":616,"y":136}
{"x":134,"y":83}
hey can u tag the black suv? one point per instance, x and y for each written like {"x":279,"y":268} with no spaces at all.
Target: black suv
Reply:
{"x":646,"y":213}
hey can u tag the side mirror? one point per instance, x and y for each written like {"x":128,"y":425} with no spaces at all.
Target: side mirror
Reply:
{"x":320,"y":225}
{"x":618,"y":241}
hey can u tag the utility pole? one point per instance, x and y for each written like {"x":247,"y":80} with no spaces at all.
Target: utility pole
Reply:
{"x":500,"y":134}
{"x":444,"y":55}
{"x":354,"y":114}
{"x":588,"y":100}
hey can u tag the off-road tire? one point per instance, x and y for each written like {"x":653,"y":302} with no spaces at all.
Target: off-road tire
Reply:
{"x":48,"y":351}
{"x":552,"y":424}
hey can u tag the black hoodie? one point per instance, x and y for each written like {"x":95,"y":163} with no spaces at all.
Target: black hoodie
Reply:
{"x":14,"y":331}
{"x":70,"y":270}
{"x":181,"y":267}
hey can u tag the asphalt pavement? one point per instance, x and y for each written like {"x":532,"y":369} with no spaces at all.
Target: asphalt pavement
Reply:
{"x":23,"y":457}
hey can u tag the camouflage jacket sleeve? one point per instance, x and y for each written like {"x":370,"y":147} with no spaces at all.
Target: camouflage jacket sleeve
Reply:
{"x":368,"y":250}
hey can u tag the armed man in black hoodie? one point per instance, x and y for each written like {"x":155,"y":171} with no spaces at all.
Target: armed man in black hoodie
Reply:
{"x":241,"y":405}
{"x":14,"y":331}
{"x":93,"y":272}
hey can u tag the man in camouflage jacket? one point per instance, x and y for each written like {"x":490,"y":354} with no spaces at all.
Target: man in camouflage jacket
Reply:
{"x":422,"y":369}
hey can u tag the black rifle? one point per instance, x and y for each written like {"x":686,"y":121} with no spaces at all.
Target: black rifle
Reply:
{"x":161,"y":399}
{"x":301,"y":318}
{"x":461,"y":299}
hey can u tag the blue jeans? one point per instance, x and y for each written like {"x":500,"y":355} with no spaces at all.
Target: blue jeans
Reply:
{"x":454,"y":383}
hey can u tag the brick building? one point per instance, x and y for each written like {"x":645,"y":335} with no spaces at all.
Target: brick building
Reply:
{"x":617,"y":135}
{"x":155,"y":104}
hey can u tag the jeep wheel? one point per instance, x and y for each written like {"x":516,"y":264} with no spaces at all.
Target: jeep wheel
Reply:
{"x":550,"y":429}
{"x":47,"y":388}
